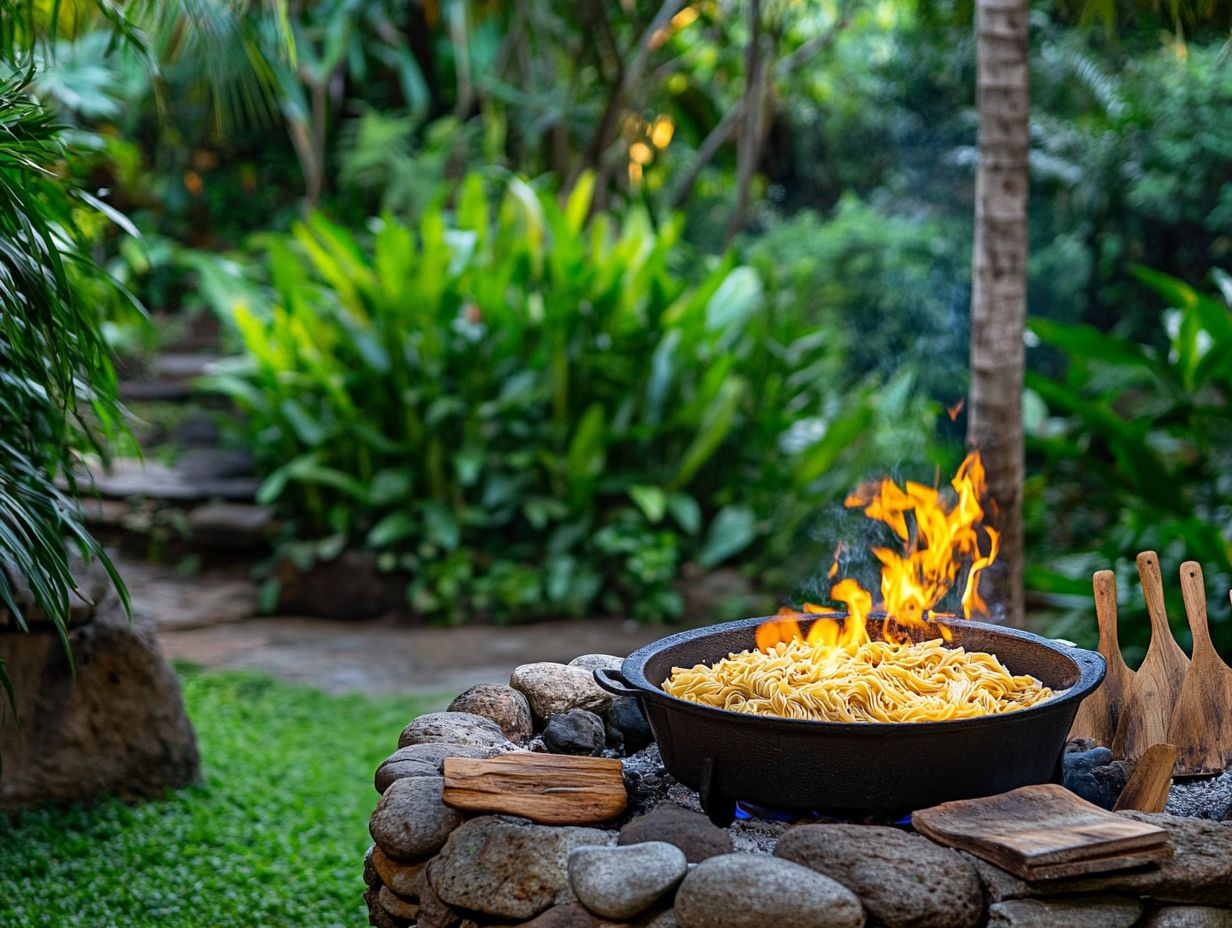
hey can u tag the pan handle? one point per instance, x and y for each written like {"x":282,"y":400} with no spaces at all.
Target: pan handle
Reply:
{"x":612,"y":680}
{"x":1091,"y":667}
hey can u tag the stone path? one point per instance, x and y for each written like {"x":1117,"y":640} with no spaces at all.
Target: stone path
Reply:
{"x":385,"y":657}
{"x":210,"y":618}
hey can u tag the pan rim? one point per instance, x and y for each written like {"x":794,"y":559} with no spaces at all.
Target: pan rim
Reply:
{"x":1089,"y":668}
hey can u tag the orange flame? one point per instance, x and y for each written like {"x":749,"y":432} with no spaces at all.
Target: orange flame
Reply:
{"x":938,"y":536}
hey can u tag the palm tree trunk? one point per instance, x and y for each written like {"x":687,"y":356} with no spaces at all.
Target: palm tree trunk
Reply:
{"x":999,"y":282}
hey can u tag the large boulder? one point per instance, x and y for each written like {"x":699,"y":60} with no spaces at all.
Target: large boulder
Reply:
{"x":117,"y":727}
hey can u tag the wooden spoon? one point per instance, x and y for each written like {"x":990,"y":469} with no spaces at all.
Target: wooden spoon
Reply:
{"x":1202,"y":720}
{"x":1101,"y":711}
{"x":1151,"y":781}
{"x":1157,"y":684}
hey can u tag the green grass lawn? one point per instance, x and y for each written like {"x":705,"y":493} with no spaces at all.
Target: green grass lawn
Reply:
{"x":273,"y":837}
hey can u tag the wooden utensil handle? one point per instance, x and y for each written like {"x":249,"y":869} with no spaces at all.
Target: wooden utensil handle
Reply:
{"x":1153,"y":593}
{"x":1193,"y":591}
{"x":1104,"y":583}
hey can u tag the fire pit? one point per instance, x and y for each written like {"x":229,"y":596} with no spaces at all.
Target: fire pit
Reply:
{"x":856,"y":769}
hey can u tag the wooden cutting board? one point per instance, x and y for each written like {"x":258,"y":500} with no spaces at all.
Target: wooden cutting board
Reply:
{"x":1043,"y":832}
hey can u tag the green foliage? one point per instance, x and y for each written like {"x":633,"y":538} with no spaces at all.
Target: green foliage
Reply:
{"x":58,"y":396}
{"x":1136,"y":449}
{"x":534,"y":414}
{"x":272,"y":837}
{"x":891,"y":288}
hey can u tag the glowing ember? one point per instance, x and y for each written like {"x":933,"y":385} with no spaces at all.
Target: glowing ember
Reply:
{"x":939,"y":534}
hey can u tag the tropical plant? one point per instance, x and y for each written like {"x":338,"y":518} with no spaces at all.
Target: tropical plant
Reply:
{"x":1135,"y":444}
{"x":532,"y":413}
{"x":59,"y":388}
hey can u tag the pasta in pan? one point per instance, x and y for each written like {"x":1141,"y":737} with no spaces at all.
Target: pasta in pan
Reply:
{"x":876,"y":681}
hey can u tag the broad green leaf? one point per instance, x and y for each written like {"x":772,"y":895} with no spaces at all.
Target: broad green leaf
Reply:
{"x":686,"y":512}
{"x":716,"y":422}
{"x":732,"y":530}
{"x":577,"y":207}
{"x":395,"y":527}
{"x":442,"y":527}
{"x":652,"y":501}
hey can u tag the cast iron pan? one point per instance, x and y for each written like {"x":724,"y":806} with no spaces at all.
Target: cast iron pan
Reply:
{"x":855,"y":770}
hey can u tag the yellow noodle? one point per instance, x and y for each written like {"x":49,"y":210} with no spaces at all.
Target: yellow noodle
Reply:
{"x":878,"y":681}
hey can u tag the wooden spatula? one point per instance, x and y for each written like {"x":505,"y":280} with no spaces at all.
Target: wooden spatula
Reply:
{"x":1151,"y":781}
{"x":1157,"y":684}
{"x":1201,"y":723}
{"x":1101,"y":711}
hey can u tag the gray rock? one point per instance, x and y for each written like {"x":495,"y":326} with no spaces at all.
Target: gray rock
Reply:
{"x":464,"y":728}
{"x":1200,"y":871}
{"x":553,"y":689}
{"x":998,"y":884}
{"x":500,"y":704}
{"x":395,"y":905}
{"x":111,"y":723}
{"x":692,"y":832}
{"x":573,"y":915}
{"x":620,"y":882}
{"x":1189,"y":916}
{"x":1092,"y":775}
{"x":402,"y":878}
{"x":904,"y":880}
{"x":370,"y":875}
{"x":386,"y":774}
{"x":377,"y":916}
{"x":507,"y":867}
{"x":434,"y":912}
{"x":411,"y":821}
{"x":665,"y":919}
{"x":1092,"y":912}
{"x":574,"y":732}
{"x":625,"y":716}
{"x":435,"y":753}
{"x":592,"y":662}
{"x":751,"y":891}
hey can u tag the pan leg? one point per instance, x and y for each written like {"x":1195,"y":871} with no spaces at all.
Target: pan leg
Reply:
{"x":718,"y":808}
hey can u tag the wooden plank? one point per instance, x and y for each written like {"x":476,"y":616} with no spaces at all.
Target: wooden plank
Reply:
{"x":1035,"y":826}
{"x":552,"y":789}
{"x":1117,"y":861}
{"x":1149,"y":784}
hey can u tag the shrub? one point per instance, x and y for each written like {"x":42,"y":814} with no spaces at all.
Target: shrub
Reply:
{"x":1136,"y":446}
{"x":532,"y":413}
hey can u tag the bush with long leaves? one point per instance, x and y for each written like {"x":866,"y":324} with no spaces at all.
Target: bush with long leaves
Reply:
{"x":533,"y":412}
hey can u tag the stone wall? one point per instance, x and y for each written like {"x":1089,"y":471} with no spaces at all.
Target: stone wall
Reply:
{"x":663,"y":864}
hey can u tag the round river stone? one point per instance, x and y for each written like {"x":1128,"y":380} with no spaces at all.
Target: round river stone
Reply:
{"x":411,"y":821}
{"x":463,"y":728}
{"x":500,"y":704}
{"x":751,"y":891}
{"x":620,"y":882}
{"x":555,"y":688}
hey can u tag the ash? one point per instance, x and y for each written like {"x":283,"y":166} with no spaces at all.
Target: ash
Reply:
{"x":650,"y":785}
{"x":1210,"y":797}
